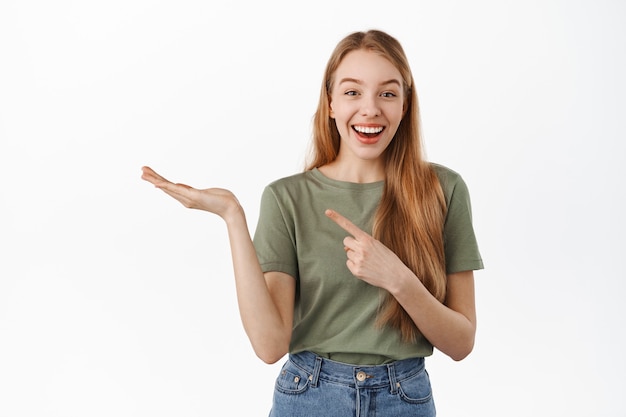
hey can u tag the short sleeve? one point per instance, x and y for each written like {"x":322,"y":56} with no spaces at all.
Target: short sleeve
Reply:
{"x":274,"y":238}
{"x":460,"y":244}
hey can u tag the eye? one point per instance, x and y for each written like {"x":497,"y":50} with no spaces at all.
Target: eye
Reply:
{"x":351,"y":93}
{"x":388,"y":94}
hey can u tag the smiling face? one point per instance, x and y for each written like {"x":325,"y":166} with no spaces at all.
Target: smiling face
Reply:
{"x":367,"y":102}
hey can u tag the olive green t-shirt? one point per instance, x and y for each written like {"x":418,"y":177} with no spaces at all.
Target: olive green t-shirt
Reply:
{"x":335,"y":312}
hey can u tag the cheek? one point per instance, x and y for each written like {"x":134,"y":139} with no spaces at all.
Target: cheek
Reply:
{"x":397,"y":116}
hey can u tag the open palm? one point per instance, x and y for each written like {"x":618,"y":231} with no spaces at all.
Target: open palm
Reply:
{"x":215,"y":200}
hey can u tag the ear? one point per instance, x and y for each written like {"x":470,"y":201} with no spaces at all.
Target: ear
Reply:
{"x":331,"y":112}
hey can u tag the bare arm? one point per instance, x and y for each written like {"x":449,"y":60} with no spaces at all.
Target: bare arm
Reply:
{"x":450,"y":327}
{"x":265,"y":300}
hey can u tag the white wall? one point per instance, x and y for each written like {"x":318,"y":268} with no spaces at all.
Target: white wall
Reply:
{"x":115,"y":300}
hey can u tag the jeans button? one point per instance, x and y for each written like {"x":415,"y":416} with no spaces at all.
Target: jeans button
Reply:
{"x":360,"y":376}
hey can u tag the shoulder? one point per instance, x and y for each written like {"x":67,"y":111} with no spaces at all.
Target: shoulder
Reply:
{"x":448,"y":178}
{"x":292,"y":187}
{"x":454,"y":188}
{"x":289,"y":182}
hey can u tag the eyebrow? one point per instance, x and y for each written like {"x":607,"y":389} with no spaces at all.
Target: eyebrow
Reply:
{"x":354,"y":80}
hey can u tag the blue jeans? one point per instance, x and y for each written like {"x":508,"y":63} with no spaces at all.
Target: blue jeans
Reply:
{"x":311,"y":386}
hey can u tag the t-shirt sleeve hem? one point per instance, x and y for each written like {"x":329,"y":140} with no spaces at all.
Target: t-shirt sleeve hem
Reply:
{"x":278,"y":267}
{"x":466,"y":265}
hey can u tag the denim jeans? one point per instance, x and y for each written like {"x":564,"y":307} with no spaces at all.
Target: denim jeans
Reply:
{"x":311,"y":386}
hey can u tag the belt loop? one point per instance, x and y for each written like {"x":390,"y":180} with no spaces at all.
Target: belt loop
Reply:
{"x":316,"y":371}
{"x":391,"y":371}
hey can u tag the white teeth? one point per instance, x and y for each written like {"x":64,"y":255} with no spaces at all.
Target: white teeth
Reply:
{"x":364,"y":129}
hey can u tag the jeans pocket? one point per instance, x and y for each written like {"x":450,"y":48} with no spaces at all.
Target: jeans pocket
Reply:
{"x":416,"y":389}
{"x":292,"y":379}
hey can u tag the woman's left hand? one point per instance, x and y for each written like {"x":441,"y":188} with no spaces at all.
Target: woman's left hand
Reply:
{"x":450,"y":327}
{"x":368,"y":258}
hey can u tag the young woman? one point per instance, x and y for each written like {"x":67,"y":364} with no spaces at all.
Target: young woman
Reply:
{"x":362,"y":263}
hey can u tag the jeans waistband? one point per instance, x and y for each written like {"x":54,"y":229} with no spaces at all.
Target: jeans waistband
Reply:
{"x":362,"y":376}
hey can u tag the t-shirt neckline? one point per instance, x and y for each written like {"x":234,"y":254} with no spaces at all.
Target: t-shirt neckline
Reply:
{"x":318,"y":175}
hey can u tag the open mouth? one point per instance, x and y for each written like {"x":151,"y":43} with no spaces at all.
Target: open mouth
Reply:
{"x":368,"y":131}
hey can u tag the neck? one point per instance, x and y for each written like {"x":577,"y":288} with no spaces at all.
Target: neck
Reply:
{"x":362,"y":172}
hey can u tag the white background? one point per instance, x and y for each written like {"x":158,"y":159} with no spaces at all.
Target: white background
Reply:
{"x":117,"y":301}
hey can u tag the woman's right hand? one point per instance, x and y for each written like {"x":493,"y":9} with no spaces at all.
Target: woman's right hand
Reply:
{"x":215,"y":200}
{"x":265,"y":303}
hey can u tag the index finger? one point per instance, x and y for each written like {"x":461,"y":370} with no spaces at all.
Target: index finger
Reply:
{"x":148,"y":174}
{"x":345,"y":224}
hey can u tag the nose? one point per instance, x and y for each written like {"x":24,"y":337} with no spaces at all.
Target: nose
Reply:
{"x":369,"y":106}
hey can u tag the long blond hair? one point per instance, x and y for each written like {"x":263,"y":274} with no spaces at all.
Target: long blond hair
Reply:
{"x":410,"y":217}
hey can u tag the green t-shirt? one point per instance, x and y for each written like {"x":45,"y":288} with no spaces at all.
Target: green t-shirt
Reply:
{"x":335,"y":312}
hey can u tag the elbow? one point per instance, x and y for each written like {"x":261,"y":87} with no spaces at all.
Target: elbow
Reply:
{"x":270,"y":357}
{"x":270,"y":360}
{"x":464,"y":344}
{"x":462,"y":351}
{"x":458,"y":357}
{"x":271,"y":353}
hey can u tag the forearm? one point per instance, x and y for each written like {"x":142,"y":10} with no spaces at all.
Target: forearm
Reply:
{"x":268,"y":331}
{"x":450,"y":330}
{"x":268,"y":327}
